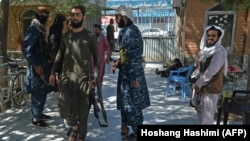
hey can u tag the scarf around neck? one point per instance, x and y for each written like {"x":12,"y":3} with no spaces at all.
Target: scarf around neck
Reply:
{"x":40,"y":27}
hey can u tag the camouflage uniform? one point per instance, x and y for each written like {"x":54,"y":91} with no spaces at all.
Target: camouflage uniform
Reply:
{"x":132,"y":70}
{"x":35,"y":50}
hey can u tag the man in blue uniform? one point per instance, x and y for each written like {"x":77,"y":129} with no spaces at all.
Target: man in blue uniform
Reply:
{"x":132,"y":90}
{"x":35,"y":50}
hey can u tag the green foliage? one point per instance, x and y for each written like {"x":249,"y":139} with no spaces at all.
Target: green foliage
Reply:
{"x":232,"y":4}
{"x":64,"y":6}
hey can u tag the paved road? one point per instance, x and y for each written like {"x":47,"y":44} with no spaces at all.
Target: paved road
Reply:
{"x":14,"y":123}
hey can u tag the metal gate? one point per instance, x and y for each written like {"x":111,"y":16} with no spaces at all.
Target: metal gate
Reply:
{"x":156,"y":49}
{"x":160,"y":50}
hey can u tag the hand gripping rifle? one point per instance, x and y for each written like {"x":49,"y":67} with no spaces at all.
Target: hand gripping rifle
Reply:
{"x":97,"y":101}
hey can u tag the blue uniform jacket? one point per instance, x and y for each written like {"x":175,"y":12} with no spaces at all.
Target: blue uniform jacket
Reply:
{"x":35,"y":50}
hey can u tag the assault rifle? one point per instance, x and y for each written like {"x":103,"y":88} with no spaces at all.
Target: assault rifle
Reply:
{"x":97,"y":102}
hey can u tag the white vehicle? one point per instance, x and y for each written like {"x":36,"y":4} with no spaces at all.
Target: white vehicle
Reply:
{"x":154,"y":32}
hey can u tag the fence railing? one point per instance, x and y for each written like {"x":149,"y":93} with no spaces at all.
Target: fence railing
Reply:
{"x":161,"y":49}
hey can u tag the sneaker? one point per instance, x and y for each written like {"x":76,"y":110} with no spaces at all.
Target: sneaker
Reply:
{"x":40,"y":124}
{"x":45,"y":117}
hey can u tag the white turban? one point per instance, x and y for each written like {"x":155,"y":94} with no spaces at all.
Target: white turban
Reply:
{"x":125,"y":11}
{"x":206,"y":52}
{"x":204,"y":37}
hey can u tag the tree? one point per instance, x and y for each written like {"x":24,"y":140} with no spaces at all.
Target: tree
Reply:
{"x":93,"y":7}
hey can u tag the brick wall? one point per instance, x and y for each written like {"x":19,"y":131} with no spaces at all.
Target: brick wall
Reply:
{"x":194,"y":27}
{"x":15,"y":25}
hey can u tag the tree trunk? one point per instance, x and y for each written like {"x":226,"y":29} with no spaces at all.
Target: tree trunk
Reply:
{"x":4,"y":16}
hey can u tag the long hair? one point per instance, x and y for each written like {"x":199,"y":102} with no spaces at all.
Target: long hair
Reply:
{"x":128,"y":22}
{"x":55,"y":33}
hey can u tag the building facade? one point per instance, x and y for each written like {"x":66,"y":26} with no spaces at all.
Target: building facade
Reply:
{"x":21,"y":14}
{"x":195,"y":15}
{"x":186,"y":18}
{"x":146,"y":13}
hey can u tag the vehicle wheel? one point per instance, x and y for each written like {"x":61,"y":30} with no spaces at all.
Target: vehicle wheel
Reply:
{"x":18,"y":96}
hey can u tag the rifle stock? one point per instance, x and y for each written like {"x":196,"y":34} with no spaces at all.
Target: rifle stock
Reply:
{"x":94,"y":102}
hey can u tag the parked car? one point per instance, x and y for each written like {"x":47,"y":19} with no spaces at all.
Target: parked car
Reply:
{"x":154,"y":32}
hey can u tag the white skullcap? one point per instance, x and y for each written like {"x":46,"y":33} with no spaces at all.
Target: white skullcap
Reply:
{"x":125,"y":11}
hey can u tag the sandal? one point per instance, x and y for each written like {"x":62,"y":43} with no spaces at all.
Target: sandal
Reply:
{"x":124,"y":130}
{"x":74,"y":134}
{"x":130,"y":137}
{"x":80,"y":139}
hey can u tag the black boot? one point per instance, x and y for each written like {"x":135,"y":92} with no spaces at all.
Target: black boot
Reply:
{"x":39,"y":123}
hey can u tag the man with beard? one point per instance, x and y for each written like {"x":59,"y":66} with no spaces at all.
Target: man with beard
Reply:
{"x":74,"y":61}
{"x":132,"y":90}
{"x":212,"y":63}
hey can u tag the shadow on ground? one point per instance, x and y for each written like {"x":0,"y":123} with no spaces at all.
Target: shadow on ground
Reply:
{"x":14,"y":123}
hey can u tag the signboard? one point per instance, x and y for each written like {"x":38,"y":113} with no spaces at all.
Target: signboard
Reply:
{"x":226,"y":20}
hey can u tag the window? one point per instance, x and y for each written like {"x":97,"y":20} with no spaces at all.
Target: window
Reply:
{"x":27,"y":17}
